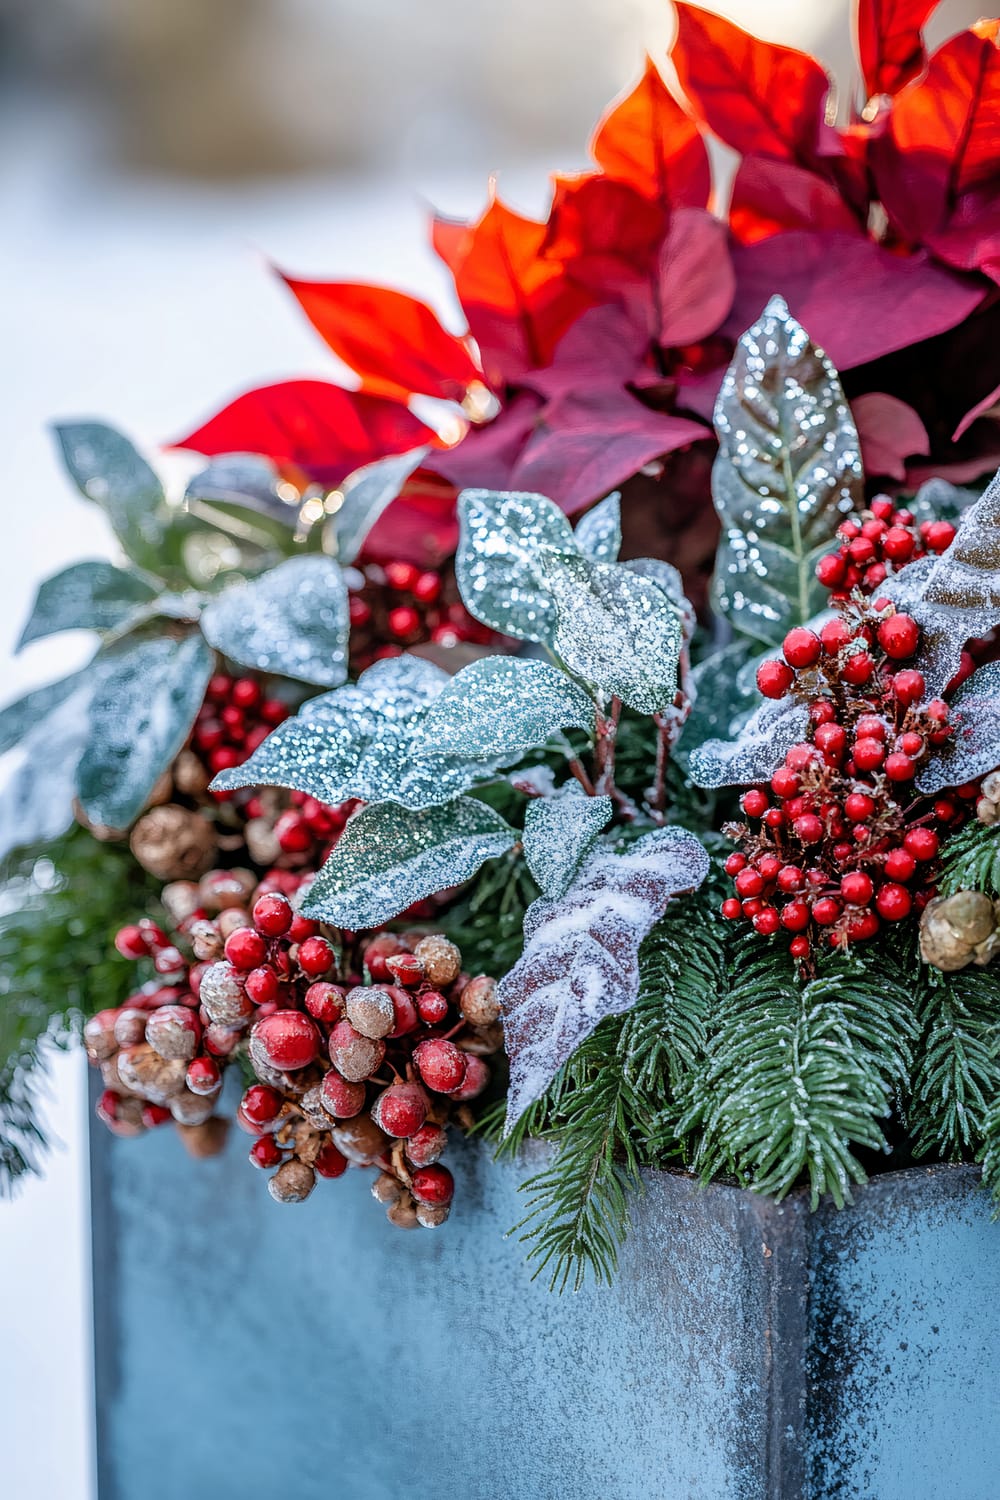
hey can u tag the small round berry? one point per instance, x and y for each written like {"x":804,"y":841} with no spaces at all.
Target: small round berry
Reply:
{"x":790,"y":878}
{"x":767,"y":921}
{"x":754,"y":803}
{"x":832,"y":740}
{"x":432,"y":1007}
{"x":899,"y":636}
{"x":894,"y":902}
{"x":881,"y":508}
{"x":440,"y":1064}
{"x":315,"y":957}
{"x":799,"y":947}
{"x":406,"y":969}
{"x":355,"y":1056}
{"x":909,"y":686}
{"x":401,"y":1109}
{"x":774,"y":678}
{"x":262,"y":985}
{"x":774,"y":818}
{"x":403,"y":622}
{"x":731,"y":908}
{"x":752,"y":907}
{"x":912,"y":743}
{"x":203,"y":1075}
{"x":378,"y":950}
{"x":922,"y":843}
{"x":822,"y":712}
{"x":767,"y":865}
{"x":849,"y":529}
{"x":288,"y":1038}
{"x":245,"y":949}
{"x":868,"y":754}
{"x":799,"y":757}
{"x":869,"y":727}
{"x":325,"y":1001}
{"x":830,"y":570}
{"x":899,"y":767}
{"x":401,"y":575}
{"x":861,"y":551}
{"x":835,"y":635}
{"x":266,"y":1152}
{"x":857,"y":669}
{"x":174,"y":1031}
{"x":426,"y":1146}
{"x":863,"y":926}
{"x":342,"y":1098}
{"x":329,"y":1162}
{"x":302,"y":928}
{"x":808,"y":829}
{"x":938,"y":536}
{"x":427,"y":588}
{"x":433,"y":1184}
{"x":131,"y":942}
{"x":748,"y":883}
{"x":370,"y":1009}
{"x":477,"y":1076}
{"x":735,"y":863}
{"x":857,"y":888}
{"x":945,"y":810}
{"x":784,"y":783}
{"x":154,"y":1115}
{"x":292,"y":1182}
{"x":801,"y":647}
{"x":272,"y":914}
{"x":826,"y":911}
{"x":898,"y":544}
{"x":406,"y":1014}
{"x":261,"y":1104}
{"x":858,"y":806}
{"x":899,"y":865}
{"x":795,"y":916}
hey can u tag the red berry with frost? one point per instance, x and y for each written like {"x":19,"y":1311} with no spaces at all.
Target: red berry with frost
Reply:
{"x":355,"y":1056}
{"x":401,"y":1109}
{"x":857,"y":669}
{"x":909,"y":686}
{"x":826,"y":910}
{"x":405,"y":1010}
{"x":245,"y":949}
{"x":801,"y":647}
{"x":835,"y":635}
{"x":774,"y":678}
{"x":899,"y":865}
{"x":899,"y":636}
{"x":433,"y":1184}
{"x":262,"y":985}
{"x":426,"y":1145}
{"x":342,"y":1098}
{"x":477,"y":1076}
{"x":288,"y":1038}
{"x":174,"y":1031}
{"x":272,"y":914}
{"x":795,"y":916}
{"x":754,"y":803}
{"x":808,"y":829}
{"x":432,"y":1007}
{"x":315,"y":957}
{"x":830,"y":570}
{"x":863,"y":926}
{"x":203,"y":1076}
{"x":767,"y":865}
{"x":832,"y":740}
{"x":922,"y":843}
{"x":822,"y":712}
{"x":899,"y":767}
{"x":857,"y":888}
{"x":261,"y":1104}
{"x":329,"y":1162}
{"x":735,"y":863}
{"x":325,"y":1001}
{"x":302,"y":928}
{"x":266,"y":1152}
{"x":939,"y":536}
{"x":898,"y":544}
{"x":894,"y":902}
{"x":440,"y":1064}
{"x":154,"y":1115}
{"x":752,"y":907}
{"x":784,"y":783}
{"x":790,"y":878}
{"x":868,"y":754}
{"x":749,"y":883}
{"x":912,"y":743}
{"x":406,"y":969}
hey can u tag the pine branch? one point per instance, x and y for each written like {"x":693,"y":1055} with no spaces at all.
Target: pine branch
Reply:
{"x":800,"y":1075}
{"x":956,"y":1081}
{"x":990,"y":1153}
{"x":488,"y":922}
{"x":970,"y":860}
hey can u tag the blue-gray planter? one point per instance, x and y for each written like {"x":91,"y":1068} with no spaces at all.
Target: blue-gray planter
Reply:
{"x":747,"y":1351}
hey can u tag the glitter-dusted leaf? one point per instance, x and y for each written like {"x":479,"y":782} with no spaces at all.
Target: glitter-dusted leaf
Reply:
{"x":975,"y":749}
{"x":366,"y":494}
{"x":502,"y":706}
{"x":36,"y":800}
{"x":758,"y":750}
{"x":954,"y":597}
{"x":558,"y":832}
{"x":787,"y":471}
{"x":292,"y":620}
{"x":388,"y":857}
{"x":19,"y":718}
{"x":86,"y":596}
{"x":721,"y":705}
{"x":108,"y":470}
{"x":145,"y":698}
{"x":581,"y":957}
{"x":599,"y":533}
{"x":247,"y":481}
{"x":614,"y":629}
{"x":497,"y":566}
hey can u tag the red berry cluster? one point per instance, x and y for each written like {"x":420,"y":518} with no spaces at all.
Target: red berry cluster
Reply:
{"x":843,"y":845}
{"x":235,"y":718}
{"x":396,"y":605}
{"x":878,"y":543}
{"x":351,"y":1073}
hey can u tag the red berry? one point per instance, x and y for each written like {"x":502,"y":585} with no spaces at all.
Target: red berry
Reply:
{"x":752,"y":907}
{"x":857,"y":669}
{"x":922,"y":843}
{"x":406,"y":969}
{"x":379,"y":949}
{"x":155,"y":1114}
{"x":832,"y":740}
{"x":432,"y":1007}
{"x":858,"y":806}
{"x":830,"y":570}
{"x":477,"y":1076}
{"x":401,"y":576}
{"x":289,"y":1039}
{"x":427,"y":1145}
{"x":272,"y":914}
{"x":868,"y":754}
{"x":899,"y":636}
{"x":401,"y":1109}
{"x":245,"y":693}
{"x":731,"y":908}
{"x":908,"y":686}
{"x":218,"y":687}
{"x":245,"y":949}
{"x":894,"y":902}
{"x":261,"y":1104}
{"x":223,"y":759}
{"x":293,"y":833}
{"x":407,"y":1015}
{"x":315,"y":957}
{"x":433,"y":1184}
{"x":799,"y":757}
{"x":262,"y":985}
{"x":427,"y":588}
{"x":754,"y":803}
{"x":826,"y":910}
{"x":203,"y":1075}
{"x":938,"y":536}
{"x":822,"y":712}
{"x":774,"y":678}
{"x":735,"y":863}
{"x":899,"y":767}
{"x":801,"y":647}
{"x":912,"y":743}
{"x":131,"y":942}
{"x":799,"y":947}
{"x":329,"y":1162}
{"x":325,"y":1001}
{"x":774,"y":818}
{"x":862,"y":926}
{"x":403,"y":622}
{"x":748,"y":883}
{"x":767,"y":865}
{"x":808,"y":829}
{"x":869,"y":727}
{"x":849,"y":529}
{"x":273,"y":711}
{"x":881,"y":507}
{"x":857,"y":888}
{"x":795,"y":916}
{"x":784,"y":782}
{"x":266,"y":1152}
{"x":861,"y":551}
{"x":341,"y":1098}
{"x":440,"y":1064}
{"x":835,"y":635}
{"x":897,"y":544}
{"x":899,"y":865}
{"x":790,"y":878}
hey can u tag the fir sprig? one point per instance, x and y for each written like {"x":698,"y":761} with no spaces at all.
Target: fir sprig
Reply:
{"x":971,"y":860}
{"x":956,"y":1080}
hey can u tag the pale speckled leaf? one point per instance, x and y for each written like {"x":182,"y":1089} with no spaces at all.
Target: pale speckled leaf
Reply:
{"x":248,"y":481}
{"x":721,"y":705}
{"x":19,"y":718}
{"x":496,"y":565}
{"x":145,"y":699}
{"x":366,"y":494}
{"x":388,"y":857}
{"x":975,"y":749}
{"x":758,"y":750}
{"x":86,"y":596}
{"x":615,"y":629}
{"x":110,"y":471}
{"x":292,"y":620}
{"x":787,"y":471}
{"x":599,"y":533}
{"x":581,"y":957}
{"x":558,"y":832}
{"x":955,"y":597}
{"x":503,"y":706}
{"x":36,"y":799}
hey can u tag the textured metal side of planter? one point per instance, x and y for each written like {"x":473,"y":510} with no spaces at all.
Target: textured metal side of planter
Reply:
{"x":747,"y":1351}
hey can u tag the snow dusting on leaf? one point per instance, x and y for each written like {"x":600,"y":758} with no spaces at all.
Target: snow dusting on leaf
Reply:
{"x":496,"y":565}
{"x":108,"y":470}
{"x":86,"y":596}
{"x":757,"y":752}
{"x":975,"y":749}
{"x":581,"y":957}
{"x":292,"y":621}
{"x":558,"y":832}
{"x":502,"y":705}
{"x":599,"y":533}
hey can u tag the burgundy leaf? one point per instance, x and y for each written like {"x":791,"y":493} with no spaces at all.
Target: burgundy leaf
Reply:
{"x":890,"y":433}
{"x":770,"y":196}
{"x":696,"y":281}
{"x":487,"y":456}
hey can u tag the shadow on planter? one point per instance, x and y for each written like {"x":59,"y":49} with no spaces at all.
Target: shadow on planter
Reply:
{"x":748,"y":1351}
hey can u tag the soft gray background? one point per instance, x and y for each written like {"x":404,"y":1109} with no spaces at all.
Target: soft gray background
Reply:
{"x":152,"y":153}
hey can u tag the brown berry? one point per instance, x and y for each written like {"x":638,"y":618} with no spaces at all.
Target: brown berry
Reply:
{"x":361,"y":1140}
{"x":441,"y":960}
{"x":292,"y":1182}
{"x":223,"y":997}
{"x":478,"y":1001}
{"x":370,"y":1010}
{"x":149,"y":1075}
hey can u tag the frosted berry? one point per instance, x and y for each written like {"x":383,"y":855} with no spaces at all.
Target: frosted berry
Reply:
{"x":272,"y":915}
{"x":899,"y":636}
{"x":204,"y":1076}
{"x":370,"y":1010}
{"x":754,"y":803}
{"x":405,"y":1013}
{"x":808,"y":829}
{"x":440,"y":1064}
{"x":315,"y":957}
{"x":355,"y":1056}
{"x":899,"y":767}
{"x":174,"y":1031}
{"x":265,"y":1152}
{"x":342,"y":1098}
{"x":749,"y":883}
{"x":801,"y":647}
{"x":406,"y":969}
{"x":292,"y":1182}
{"x":426,"y":1145}
{"x":938,"y":535}
{"x":245,"y":949}
{"x":289,"y":1039}
{"x":732,"y":908}
{"x":329,"y":1162}
{"x":835,"y":635}
{"x":477,"y":1076}
{"x":795,"y":916}
{"x":433,"y":1184}
{"x":401,"y":1109}
{"x":432,"y":1007}
{"x":857,"y":888}
{"x":868,"y":754}
{"x":262,"y":985}
{"x":325,"y":1001}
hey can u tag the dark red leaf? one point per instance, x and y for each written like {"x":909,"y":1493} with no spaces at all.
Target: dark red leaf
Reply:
{"x":891,"y":43}
{"x":890,"y":433}
{"x":770,"y":196}
{"x":647,"y":140}
{"x":605,"y":233}
{"x":590,"y":441}
{"x":989,"y":405}
{"x":971,"y":242}
{"x":758,"y":97}
{"x":320,"y":428}
{"x":604,"y":346}
{"x":696,"y":281}
{"x":395,"y":343}
{"x":487,"y":455}
{"x":419,"y":527}
{"x":855,"y":298}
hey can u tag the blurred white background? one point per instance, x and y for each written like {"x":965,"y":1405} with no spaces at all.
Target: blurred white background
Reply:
{"x":152,"y":153}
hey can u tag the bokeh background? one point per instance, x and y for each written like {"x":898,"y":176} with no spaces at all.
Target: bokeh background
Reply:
{"x":154,"y":156}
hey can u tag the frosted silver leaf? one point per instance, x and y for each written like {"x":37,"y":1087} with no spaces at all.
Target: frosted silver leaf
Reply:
{"x":975,"y":749}
{"x":292,"y":621}
{"x":614,"y":629}
{"x":758,"y":750}
{"x":955,"y":597}
{"x":110,"y":471}
{"x":721,"y":705}
{"x":388,"y":857}
{"x":496,"y":565}
{"x":248,"y":481}
{"x":558,"y":832}
{"x":366,"y":494}
{"x":581,"y":957}
{"x":86,"y":596}
{"x":36,"y":800}
{"x":787,"y":471}
{"x":145,"y":698}
{"x":502,"y":706}
{"x":18,"y":719}
{"x":599,"y":533}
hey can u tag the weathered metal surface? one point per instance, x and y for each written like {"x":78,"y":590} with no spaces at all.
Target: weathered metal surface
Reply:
{"x":746,"y":1352}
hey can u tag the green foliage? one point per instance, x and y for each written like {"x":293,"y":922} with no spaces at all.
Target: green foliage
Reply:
{"x":58,"y":916}
{"x":956,"y":1080}
{"x":488,"y":922}
{"x":971,"y":860}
